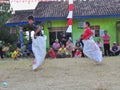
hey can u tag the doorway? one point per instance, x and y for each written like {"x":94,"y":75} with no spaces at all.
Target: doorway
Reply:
{"x":57,"y":33}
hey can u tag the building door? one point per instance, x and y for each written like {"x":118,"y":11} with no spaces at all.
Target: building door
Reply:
{"x":118,"y":32}
{"x":57,"y":33}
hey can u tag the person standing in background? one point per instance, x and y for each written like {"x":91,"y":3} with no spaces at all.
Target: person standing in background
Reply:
{"x":64,"y":40}
{"x":106,"y":41}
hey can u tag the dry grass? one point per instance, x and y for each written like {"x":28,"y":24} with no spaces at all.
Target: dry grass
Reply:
{"x":61,"y":74}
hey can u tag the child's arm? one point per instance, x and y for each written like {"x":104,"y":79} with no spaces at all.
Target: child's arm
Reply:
{"x":37,"y":31}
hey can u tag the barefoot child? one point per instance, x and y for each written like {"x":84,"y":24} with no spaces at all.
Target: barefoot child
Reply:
{"x":90,"y":49}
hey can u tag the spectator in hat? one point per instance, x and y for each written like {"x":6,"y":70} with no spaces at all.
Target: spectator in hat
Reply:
{"x":115,"y":49}
{"x":56,"y":45}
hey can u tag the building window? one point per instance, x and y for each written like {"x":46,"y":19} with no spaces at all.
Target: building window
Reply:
{"x":96,"y":30}
{"x":49,"y":24}
{"x":81,"y":24}
{"x":57,"y":33}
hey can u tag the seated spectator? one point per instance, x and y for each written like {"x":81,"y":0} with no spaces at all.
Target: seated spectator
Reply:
{"x":1,"y":52}
{"x":56,"y":45}
{"x":81,"y":42}
{"x":18,"y":44}
{"x":62,"y":52}
{"x":16,"y":54}
{"x":77,"y":41}
{"x":69,"y":48}
{"x":100,"y":45}
{"x":51,"y":53}
{"x":115,"y":50}
{"x":79,"y":47}
{"x":7,"y":50}
{"x":29,"y":49}
{"x":78,"y":54}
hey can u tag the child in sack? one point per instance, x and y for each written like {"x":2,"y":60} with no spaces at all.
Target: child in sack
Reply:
{"x":90,"y":49}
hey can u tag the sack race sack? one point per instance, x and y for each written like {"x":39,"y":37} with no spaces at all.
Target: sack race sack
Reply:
{"x":91,"y":50}
{"x":39,"y":50}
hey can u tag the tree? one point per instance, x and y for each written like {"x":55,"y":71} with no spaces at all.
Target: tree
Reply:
{"x":5,"y":15}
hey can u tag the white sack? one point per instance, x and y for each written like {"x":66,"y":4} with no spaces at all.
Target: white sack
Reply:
{"x":39,"y":50}
{"x":92,"y":51}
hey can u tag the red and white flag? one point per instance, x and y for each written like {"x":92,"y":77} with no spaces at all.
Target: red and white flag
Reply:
{"x":70,"y":17}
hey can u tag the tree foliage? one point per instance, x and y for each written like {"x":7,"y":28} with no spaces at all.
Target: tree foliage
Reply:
{"x":5,"y":15}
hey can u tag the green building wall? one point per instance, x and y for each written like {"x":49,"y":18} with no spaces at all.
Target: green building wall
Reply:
{"x":108,"y":24}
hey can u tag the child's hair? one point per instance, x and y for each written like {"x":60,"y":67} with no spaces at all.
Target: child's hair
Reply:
{"x":88,"y":23}
{"x":30,"y":18}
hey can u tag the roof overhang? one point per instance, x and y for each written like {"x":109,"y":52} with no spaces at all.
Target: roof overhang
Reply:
{"x":63,"y":18}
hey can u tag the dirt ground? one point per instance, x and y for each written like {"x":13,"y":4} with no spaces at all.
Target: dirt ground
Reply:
{"x":61,"y":74}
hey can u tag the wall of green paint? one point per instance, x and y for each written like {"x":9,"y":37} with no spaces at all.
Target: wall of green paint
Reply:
{"x":108,"y":24}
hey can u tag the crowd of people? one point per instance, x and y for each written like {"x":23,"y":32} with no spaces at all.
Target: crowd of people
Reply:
{"x":63,"y":48}
{"x":16,"y":51}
